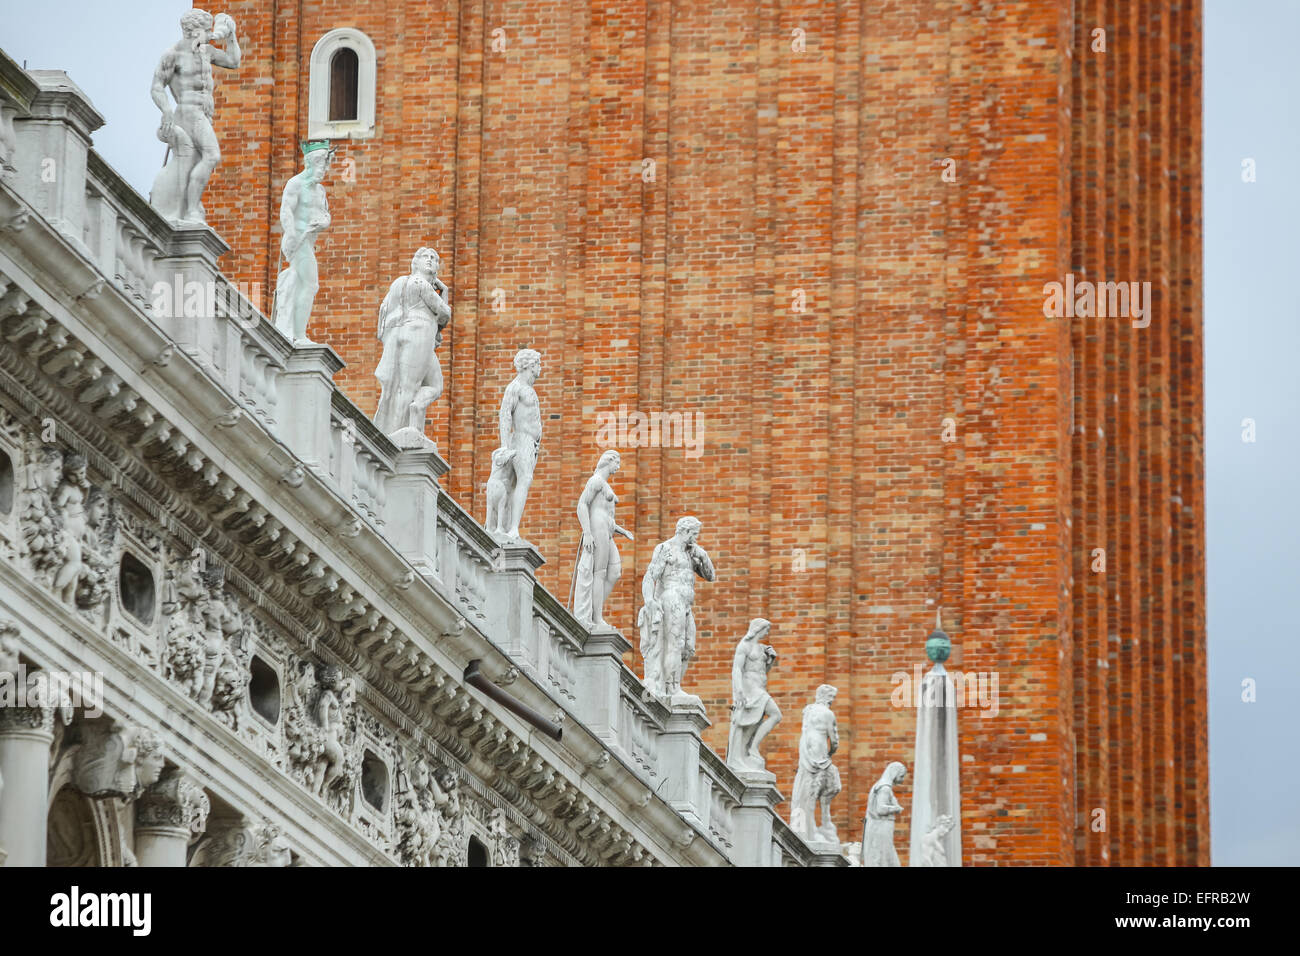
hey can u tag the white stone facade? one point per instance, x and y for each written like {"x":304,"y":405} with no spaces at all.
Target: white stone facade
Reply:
{"x":274,"y":590}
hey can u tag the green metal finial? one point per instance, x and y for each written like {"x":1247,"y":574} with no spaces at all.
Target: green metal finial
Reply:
{"x":938,"y":646}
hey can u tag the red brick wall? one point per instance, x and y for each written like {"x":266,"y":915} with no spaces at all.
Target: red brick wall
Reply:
{"x":830,"y":502}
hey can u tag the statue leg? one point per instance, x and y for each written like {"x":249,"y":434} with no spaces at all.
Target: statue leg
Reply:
{"x":771,"y":717}
{"x":601,"y":558}
{"x":524,"y":462}
{"x":309,"y":282}
{"x":207,"y":156}
{"x":428,"y":393}
{"x":674,"y":645}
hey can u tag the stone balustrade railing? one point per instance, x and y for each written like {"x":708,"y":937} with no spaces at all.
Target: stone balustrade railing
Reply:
{"x":396,"y":492}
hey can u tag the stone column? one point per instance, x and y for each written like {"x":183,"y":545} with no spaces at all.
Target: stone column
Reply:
{"x":753,"y":841}
{"x":510,"y":604}
{"x":306,"y":394}
{"x":25,"y":737}
{"x":679,"y":761}
{"x":168,"y":815}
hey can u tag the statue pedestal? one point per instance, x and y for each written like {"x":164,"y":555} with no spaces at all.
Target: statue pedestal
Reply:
{"x":600,"y":678}
{"x":510,"y":604}
{"x":306,"y":395}
{"x":413,"y":495}
{"x":753,"y":840}
{"x":679,"y":757}
{"x":827,"y":854}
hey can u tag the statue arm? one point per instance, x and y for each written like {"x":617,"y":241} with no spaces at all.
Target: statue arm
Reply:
{"x":506,"y":421}
{"x":584,"y":506}
{"x":161,"y":74}
{"x":388,"y":305}
{"x":289,"y":217}
{"x":738,"y":676}
{"x":703,"y":566}
{"x":834,"y":735}
{"x":224,"y":27}
{"x":652,"y":575}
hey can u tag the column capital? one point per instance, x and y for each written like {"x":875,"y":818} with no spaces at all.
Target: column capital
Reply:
{"x":175,"y":802}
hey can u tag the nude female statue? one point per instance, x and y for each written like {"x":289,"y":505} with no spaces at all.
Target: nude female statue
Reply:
{"x":70,"y":504}
{"x":598,"y":567}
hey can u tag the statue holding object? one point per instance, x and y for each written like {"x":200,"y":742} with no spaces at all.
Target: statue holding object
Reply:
{"x":185,"y":71}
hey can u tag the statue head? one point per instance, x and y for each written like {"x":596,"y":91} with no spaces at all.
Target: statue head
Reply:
{"x":610,"y":460}
{"x":96,"y":506}
{"x":826,"y":694}
{"x":315,"y":158}
{"x":74,"y":467}
{"x":196,"y":25}
{"x":758,"y":629}
{"x":895,"y":772}
{"x":426,"y":261}
{"x":148,"y":757}
{"x":331,"y":678}
{"x":942,"y":825}
{"x":529,"y":361}
{"x":688,"y":528}
{"x":49,"y":466}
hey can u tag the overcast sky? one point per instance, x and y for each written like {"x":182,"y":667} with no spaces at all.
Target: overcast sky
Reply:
{"x":1252,"y":338}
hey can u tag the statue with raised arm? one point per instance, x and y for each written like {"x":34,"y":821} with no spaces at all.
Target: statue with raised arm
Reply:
{"x":185,"y":71}
{"x":304,"y":213}
{"x":817,"y":780}
{"x":411,"y":320}
{"x":520,"y":426}
{"x":598,"y":567}
{"x":667,"y":619}
{"x":753,"y":711}
{"x":878,"y":827}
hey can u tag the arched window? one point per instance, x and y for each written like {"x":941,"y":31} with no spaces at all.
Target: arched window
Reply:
{"x":343,"y":85}
{"x":341,"y":90}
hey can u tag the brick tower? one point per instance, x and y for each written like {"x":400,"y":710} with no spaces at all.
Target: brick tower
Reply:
{"x":820,"y":234}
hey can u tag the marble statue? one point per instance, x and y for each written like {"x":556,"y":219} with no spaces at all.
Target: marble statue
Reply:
{"x":753,"y":711}
{"x":193,"y":153}
{"x":332,"y":708}
{"x":42,"y":531}
{"x":520,"y":425}
{"x":667,"y":619}
{"x":598,"y":566}
{"x":817,"y":781}
{"x":878,"y":826}
{"x":411,"y":319}
{"x":70,"y":504}
{"x":97,"y":549}
{"x":932,"y":852}
{"x":304,"y":214}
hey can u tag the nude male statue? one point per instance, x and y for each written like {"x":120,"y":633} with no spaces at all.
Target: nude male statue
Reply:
{"x":185,"y":71}
{"x":520,"y":427}
{"x":304,"y":213}
{"x":753,"y":711}
{"x":411,"y":320}
{"x":667,"y":619}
